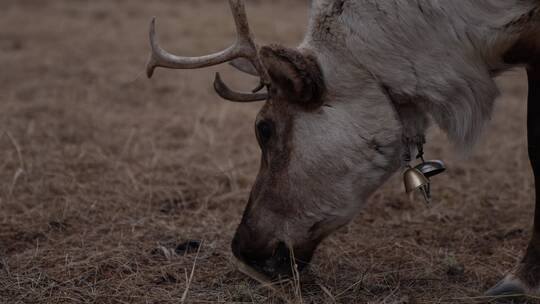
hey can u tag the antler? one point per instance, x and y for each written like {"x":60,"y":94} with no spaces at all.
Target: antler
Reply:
{"x":244,"y":47}
{"x":226,"y":93}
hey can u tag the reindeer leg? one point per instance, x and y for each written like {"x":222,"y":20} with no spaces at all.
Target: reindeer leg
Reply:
{"x":525,"y":279}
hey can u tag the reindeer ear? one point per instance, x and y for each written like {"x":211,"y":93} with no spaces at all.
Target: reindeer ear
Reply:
{"x":295,"y":76}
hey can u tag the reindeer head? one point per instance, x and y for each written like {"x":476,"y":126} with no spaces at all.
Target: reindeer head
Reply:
{"x":324,"y":149}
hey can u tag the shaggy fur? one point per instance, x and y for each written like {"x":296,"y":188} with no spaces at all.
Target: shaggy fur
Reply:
{"x":438,"y":55}
{"x":386,"y":66}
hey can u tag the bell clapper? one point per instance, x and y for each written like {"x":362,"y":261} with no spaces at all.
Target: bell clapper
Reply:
{"x":426,"y":193}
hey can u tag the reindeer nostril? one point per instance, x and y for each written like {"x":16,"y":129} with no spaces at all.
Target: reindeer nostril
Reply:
{"x":251,"y":252}
{"x":274,"y":259}
{"x":279,"y":264}
{"x":282,"y":252}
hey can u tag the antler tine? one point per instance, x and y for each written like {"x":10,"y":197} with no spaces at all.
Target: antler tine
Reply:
{"x":162,"y":58}
{"x":226,"y":93}
{"x":245,"y":39}
{"x":243,"y":47}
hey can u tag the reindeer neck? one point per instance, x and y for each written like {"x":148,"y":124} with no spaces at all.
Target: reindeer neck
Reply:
{"x":438,"y":55}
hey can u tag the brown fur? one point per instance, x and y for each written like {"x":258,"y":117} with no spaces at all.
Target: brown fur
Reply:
{"x":296,"y":76}
{"x":525,"y":51}
{"x":529,"y":269}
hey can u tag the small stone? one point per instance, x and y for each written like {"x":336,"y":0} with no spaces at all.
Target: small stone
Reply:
{"x":189,"y":246}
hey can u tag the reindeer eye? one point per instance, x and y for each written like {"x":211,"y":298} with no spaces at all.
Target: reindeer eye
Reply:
{"x":265,"y":129}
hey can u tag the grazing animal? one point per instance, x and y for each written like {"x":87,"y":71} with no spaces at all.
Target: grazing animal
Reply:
{"x":344,"y":107}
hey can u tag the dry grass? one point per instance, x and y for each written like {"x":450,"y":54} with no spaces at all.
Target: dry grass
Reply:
{"x":103,"y":173}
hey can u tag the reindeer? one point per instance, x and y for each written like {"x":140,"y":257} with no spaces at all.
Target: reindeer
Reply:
{"x":346,"y":106}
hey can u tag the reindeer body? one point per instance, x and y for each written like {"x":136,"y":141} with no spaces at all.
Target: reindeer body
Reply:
{"x":438,"y":55}
{"x":344,"y":107}
{"x":434,"y":58}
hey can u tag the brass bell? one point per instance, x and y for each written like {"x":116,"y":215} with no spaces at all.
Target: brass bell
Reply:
{"x":414,"y":179}
{"x":431,"y":168}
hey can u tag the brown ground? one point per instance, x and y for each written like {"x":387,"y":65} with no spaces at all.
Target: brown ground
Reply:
{"x":103,"y":172}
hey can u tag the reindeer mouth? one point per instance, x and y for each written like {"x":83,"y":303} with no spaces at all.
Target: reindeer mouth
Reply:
{"x":282,"y":264}
{"x":263,"y":275}
{"x":252,"y":272}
